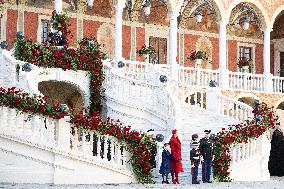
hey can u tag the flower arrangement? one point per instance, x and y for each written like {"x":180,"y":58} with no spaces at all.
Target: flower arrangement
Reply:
{"x":146,"y":50}
{"x":60,"y":23}
{"x":14,"y":98}
{"x":137,"y":144}
{"x":197,"y":55}
{"x":243,"y":61}
{"x":86,"y":57}
{"x":264,"y":120}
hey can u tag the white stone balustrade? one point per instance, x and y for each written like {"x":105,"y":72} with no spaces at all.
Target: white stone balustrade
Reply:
{"x":234,"y":108}
{"x":27,"y":127}
{"x":246,"y":81}
{"x":92,"y":144}
{"x":197,"y":76}
{"x":250,"y":159}
{"x":278,"y":84}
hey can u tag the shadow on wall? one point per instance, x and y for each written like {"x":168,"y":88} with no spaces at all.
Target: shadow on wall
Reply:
{"x":247,"y":100}
{"x":62,"y":92}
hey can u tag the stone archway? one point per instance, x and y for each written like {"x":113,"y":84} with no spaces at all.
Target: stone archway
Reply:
{"x":62,"y":92}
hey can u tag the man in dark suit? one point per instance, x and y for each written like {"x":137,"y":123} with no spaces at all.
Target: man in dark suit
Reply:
{"x":206,"y":149}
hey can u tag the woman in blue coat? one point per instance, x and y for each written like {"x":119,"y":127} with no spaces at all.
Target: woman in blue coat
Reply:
{"x":165,"y":168}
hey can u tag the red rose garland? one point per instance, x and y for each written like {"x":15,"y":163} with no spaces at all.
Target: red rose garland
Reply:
{"x":14,"y":98}
{"x":137,"y":144}
{"x":87,"y":57}
{"x":238,"y":134}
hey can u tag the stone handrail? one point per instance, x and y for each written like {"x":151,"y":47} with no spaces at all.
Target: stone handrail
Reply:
{"x":251,"y":159}
{"x":196,"y":76}
{"x":62,"y":136}
{"x":278,"y":84}
{"x":246,"y":81}
{"x":233,"y":108}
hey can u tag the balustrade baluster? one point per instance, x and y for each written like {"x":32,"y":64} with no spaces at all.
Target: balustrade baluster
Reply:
{"x":112,"y":148}
{"x":76,"y":140}
{"x":91,"y":143}
{"x":239,"y":153}
{"x":118,"y":154}
{"x":201,"y":99}
{"x":105,"y":146}
{"x":195,"y":99}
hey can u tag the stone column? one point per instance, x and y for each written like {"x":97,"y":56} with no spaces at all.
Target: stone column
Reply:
{"x":58,"y":6}
{"x":118,"y":33}
{"x":268,"y":84}
{"x":224,"y":77}
{"x":173,"y":45}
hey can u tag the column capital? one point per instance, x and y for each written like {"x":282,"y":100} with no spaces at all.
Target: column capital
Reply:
{"x":118,"y":4}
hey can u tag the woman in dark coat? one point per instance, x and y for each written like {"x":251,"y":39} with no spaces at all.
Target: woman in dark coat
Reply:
{"x":176,"y":165}
{"x":165,"y":168}
{"x":276,"y":159}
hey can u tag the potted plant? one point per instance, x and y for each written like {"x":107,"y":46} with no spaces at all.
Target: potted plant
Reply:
{"x":244,"y":63}
{"x":146,"y":51}
{"x":198,"y":57}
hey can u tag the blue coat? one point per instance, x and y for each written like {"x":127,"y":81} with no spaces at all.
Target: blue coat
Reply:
{"x":165,"y":166}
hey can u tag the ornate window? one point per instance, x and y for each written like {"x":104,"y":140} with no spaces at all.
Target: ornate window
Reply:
{"x":45,"y":29}
{"x":245,"y":52}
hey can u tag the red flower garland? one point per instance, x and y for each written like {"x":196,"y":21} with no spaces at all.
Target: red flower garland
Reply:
{"x":86,"y":57}
{"x":239,"y":134}
{"x":137,"y":144}
{"x":14,"y":98}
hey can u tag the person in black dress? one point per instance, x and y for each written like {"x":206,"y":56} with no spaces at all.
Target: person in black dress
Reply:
{"x":276,"y":158}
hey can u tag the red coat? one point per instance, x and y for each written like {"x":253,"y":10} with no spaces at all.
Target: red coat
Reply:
{"x":176,"y":165}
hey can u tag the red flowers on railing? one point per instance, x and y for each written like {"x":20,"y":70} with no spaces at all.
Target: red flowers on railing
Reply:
{"x":14,"y":98}
{"x":136,"y":143}
{"x":87,"y":57}
{"x":240,"y":133}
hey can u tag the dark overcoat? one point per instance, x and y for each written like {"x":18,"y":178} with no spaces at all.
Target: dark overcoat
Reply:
{"x":165,"y":165}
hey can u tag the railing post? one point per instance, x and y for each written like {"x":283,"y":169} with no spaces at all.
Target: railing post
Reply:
{"x":268,"y":85}
{"x":264,"y":154}
{"x":63,"y":133}
{"x":212,"y":99}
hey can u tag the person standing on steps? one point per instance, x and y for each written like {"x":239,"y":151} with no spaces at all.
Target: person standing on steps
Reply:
{"x":276,"y":158}
{"x":194,"y":138}
{"x":206,"y":149}
{"x":165,"y":168}
{"x":195,"y":160}
{"x":176,"y":165}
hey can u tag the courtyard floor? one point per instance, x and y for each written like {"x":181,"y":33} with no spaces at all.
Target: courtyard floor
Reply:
{"x":274,"y":183}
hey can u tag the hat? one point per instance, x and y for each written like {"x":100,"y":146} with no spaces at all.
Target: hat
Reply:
{"x":151,"y":132}
{"x":195,"y":144}
{"x":174,"y":131}
{"x":207,"y":131}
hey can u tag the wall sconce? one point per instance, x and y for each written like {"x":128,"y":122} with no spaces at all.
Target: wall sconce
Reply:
{"x":198,"y":16}
{"x":246,"y":23}
{"x":90,"y":3}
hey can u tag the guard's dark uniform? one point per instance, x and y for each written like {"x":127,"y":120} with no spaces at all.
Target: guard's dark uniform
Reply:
{"x":206,"y":149}
{"x":195,"y":160}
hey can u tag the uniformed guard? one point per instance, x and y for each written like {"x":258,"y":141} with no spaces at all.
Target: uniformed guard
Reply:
{"x":206,"y":149}
{"x":195,"y":160}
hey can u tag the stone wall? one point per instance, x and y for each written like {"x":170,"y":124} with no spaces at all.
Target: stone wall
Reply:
{"x":103,"y":28}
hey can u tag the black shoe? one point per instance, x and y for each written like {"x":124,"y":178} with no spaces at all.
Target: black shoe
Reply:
{"x":196,"y":182}
{"x":209,"y":181}
{"x":163,"y":182}
{"x":167,"y":182}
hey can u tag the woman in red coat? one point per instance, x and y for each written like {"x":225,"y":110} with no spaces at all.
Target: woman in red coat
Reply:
{"x":176,"y":166}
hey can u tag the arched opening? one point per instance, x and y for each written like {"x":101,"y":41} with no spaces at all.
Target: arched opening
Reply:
{"x":277,"y":48}
{"x":246,"y":20}
{"x":200,"y":16}
{"x":62,"y":92}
